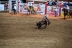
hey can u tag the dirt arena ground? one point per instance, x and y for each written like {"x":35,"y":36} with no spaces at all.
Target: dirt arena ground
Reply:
{"x":20,"y":31}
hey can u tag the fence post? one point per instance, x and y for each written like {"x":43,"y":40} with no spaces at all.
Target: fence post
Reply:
{"x":10,"y":6}
{"x":17,"y":6}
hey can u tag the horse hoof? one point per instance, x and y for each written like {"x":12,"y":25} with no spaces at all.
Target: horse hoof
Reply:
{"x":49,"y":23}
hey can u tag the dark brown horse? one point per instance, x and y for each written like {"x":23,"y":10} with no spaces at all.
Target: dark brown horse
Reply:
{"x":70,"y":13}
{"x":43,"y":22}
{"x":65,"y":12}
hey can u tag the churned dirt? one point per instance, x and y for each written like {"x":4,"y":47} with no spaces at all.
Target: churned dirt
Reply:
{"x":20,"y":31}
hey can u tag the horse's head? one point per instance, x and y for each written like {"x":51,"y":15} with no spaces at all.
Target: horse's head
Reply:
{"x":37,"y":23}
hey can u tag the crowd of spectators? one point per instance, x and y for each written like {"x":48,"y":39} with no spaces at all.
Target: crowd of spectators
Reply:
{"x":64,"y":3}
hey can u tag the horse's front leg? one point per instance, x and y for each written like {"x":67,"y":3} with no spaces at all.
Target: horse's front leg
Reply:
{"x":45,"y":26}
{"x":39,"y":26}
{"x":27,"y":13}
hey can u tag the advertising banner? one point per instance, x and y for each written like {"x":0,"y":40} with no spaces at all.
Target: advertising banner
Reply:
{"x":51,"y":10}
{"x":41,"y":9}
{"x":23,"y":8}
{"x":1,"y":7}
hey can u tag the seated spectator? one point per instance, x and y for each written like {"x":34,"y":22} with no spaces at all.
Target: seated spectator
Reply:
{"x":53,"y":3}
{"x":65,"y":4}
{"x":57,"y":3}
{"x":50,"y":3}
{"x":68,"y":3}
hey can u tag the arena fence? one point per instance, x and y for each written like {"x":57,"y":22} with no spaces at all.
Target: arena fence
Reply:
{"x":39,"y":7}
{"x":3,"y":7}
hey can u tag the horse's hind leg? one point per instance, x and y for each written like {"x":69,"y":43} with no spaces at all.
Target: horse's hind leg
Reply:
{"x":64,"y":16}
{"x":71,"y":16}
{"x":45,"y":26}
{"x":27,"y":13}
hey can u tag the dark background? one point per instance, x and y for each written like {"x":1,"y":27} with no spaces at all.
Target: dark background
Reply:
{"x":28,"y":0}
{"x":25,"y":0}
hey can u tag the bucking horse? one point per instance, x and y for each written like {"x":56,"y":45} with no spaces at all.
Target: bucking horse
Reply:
{"x":43,"y":22}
